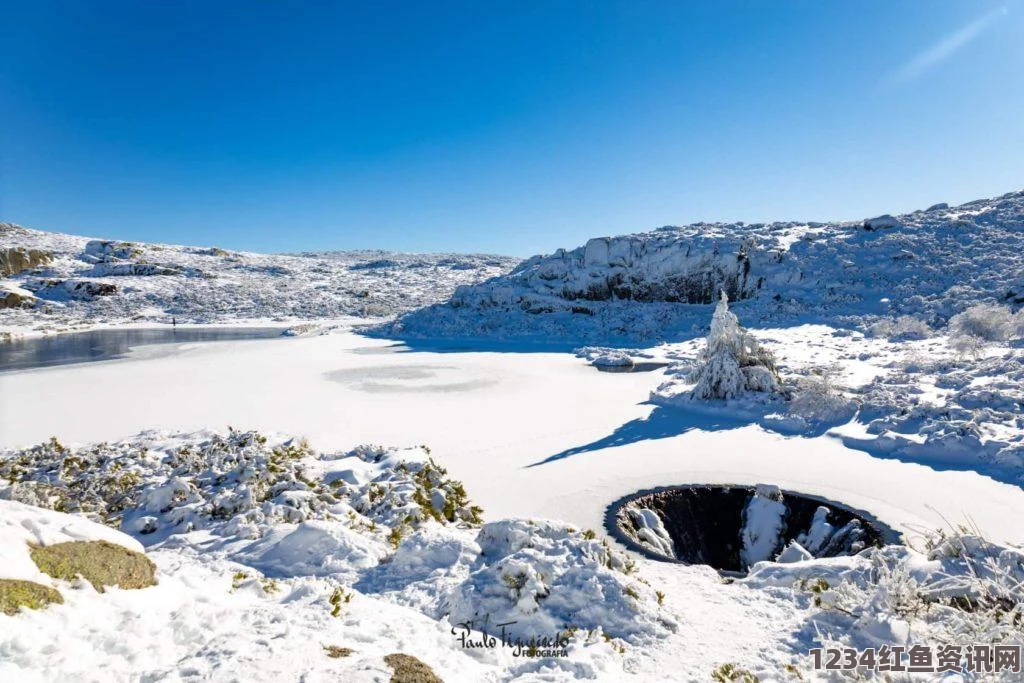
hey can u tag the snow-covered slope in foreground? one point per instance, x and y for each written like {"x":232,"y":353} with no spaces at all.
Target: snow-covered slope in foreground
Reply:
{"x":276,"y":562}
{"x":929,"y":264}
{"x":63,"y":280}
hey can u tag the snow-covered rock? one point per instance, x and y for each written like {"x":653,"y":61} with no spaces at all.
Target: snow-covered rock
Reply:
{"x":543,"y":577}
{"x":314,"y":548}
{"x":12,"y":296}
{"x":794,"y":552}
{"x":881,"y":223}
{"x":763,"y":521}
{"x":612,"y":359}
{"x":14,"y":260}
{"x":650,"y":530}
{"x":89,"y":289}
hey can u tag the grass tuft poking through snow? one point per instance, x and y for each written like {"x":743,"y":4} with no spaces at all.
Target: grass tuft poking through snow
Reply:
{"x":409,"y":669}
{"x":337,"y":651}
{"x":731,"y":673}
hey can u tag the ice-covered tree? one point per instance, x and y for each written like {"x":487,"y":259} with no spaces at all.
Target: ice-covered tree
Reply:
{"x":732,"y":363}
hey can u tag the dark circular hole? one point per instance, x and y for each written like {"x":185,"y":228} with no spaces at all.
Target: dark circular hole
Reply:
{"x":732,"y":527}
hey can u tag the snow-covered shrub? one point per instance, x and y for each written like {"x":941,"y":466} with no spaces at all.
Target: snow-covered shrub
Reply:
{"x":903,"y":328}
{"x":959,"y":590}
{"x":966,"y":345}
{"x":967,"y":590}
{"x":241,"y":483}
{"x":990,"y":322}
{"x":732,"y":363}
{"x":975,"y":420}
{"x":1017,"y":325}
{"x":816,"y":397}
{"x":548,"y":577}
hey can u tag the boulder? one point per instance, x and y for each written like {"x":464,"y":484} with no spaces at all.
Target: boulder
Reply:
{"x":107,"y":250}
{"x":127,"y":268}
{"x":881,"y":222}
{"x":16,"y":594}
{"x":14,"y":260}
{"x":12,"y":296}
{"x":101,"y":563}
{"x":596,"y":252}
{"x":89,"y":289}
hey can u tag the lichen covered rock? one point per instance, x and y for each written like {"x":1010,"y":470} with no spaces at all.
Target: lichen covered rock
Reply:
{"x":16,"y":594}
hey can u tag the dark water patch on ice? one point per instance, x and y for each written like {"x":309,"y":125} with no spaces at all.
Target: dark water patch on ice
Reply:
{"x":108,"y":344}
{"x":403,"y":379}
{"x":731,"y":527}
{"x":380,"y":350}
{"x":646,"y":366}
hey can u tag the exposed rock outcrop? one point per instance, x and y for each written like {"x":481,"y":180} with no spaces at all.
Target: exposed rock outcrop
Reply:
{"x":89,"y":289}
{"x":14,"y":260}
{"x":15,"y":297}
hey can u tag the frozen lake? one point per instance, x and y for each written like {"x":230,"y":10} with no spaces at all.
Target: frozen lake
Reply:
{"x":94,"y":345}
{"x":530,"y":433}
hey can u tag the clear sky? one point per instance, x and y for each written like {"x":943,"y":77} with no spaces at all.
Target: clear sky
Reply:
{"x":512,"y":127}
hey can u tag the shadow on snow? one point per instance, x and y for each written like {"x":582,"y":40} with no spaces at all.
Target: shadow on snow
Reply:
{"x":661,"y":423}
{"x":665,"y":422}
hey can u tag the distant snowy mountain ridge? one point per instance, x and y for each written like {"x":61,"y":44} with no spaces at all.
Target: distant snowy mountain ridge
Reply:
{"x":54,"y":281}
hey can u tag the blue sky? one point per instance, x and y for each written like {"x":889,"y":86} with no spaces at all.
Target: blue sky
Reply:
{"x":497,"y":126}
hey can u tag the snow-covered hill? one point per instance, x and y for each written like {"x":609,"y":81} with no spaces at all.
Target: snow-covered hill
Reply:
{"x":59,"y":281}
{"x":927,"y":264}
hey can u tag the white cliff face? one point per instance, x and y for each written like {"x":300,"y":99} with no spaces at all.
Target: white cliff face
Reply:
{"x":645,"y":268}
{"x":929,"y":264}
